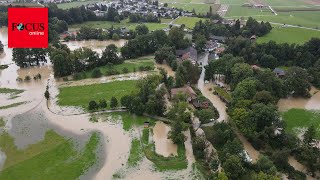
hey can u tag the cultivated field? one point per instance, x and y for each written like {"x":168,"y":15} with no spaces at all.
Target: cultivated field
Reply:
{"x":238,"y":11}
{"x":289,"y":35}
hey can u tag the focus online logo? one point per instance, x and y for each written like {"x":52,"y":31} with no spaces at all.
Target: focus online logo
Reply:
{"x":32,"y":28}
{"x":27,"y":27}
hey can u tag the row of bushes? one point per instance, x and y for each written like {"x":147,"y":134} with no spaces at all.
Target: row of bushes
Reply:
{"x":102,"y":104}
{"x":28,"y":78}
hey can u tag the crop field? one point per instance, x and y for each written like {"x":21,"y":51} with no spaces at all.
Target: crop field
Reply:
{"x":300,"y":118}
{"x":289,"y":35}
{"x":82,"y":95}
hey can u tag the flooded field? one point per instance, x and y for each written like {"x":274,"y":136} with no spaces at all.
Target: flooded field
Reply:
{"x":28,"y":123}
{"x":312,"y":103}
{"x":95,"y":45}
{"x":164,"y":146}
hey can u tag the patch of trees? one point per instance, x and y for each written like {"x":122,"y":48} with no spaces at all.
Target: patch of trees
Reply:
{"x":252,"y":27}
{"x":134,"y":18}
{"x":148,"y":99}
{"x":187,"y":73}
{"x":29,"y":57}
{"x":67,"y":62}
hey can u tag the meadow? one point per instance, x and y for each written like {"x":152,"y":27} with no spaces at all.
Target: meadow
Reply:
{"x":199,"y":8}
{"x":238,"y":11}
{"x":300,"y":118}
{"x":289,"y":35}
{"x":75,"y":4}
{"x":82,"y":95}
{"x":190,"y":22}
{"x":130,"y":65}
{"x":54,"y":158}
{"x":123,"y":23}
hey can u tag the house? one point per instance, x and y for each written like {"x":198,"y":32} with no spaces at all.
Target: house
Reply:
{"x":220,"y":50}
{"x":187,"y":90}
{"x":279,"y":72}
{"x":187,"y":54}
{"x":201,"y":104}
{"x":217,"y":38}
{"x":210,"y":46}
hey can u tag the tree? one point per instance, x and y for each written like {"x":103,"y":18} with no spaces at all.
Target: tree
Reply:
{"x":115,"y":37}
{"x":264,"y":176}
{"x":199,"y":145}
{"x":142,"y":29}
{"x":205,"y":115}
{"x":240,"y":71}
{"x":310,"y":135}
{"x":176,"y":134}
{"x":268,"y":61}
{"x":165,"y":5}
{"x":297,"y":82}
{"x":176,"y":38}
{"x":200,"y":41}
{"x":264,"y":116}
{"x":109,"y":55}
{"x":126,"y":100}
{"x":164,"y":53}
{"x":93,"y":105}
{"x":222,"y":176}
{"x":246,"y":89}
{"x":113,"y":102}
{"x":125,"y":70}
{"x":264,"y":97}
{"x":233,"y":167}
{"x":102,"y":103}
{"x":265,"y":165}
{"x":47,"y":94}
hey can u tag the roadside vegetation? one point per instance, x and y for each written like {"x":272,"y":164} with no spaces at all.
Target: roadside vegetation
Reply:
{"x":54,"y":157}
{"x":12,"y":92}
{"x":135,"y":153}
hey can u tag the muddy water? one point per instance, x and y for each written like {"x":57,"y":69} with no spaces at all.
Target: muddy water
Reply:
{"x":312,"y":103}
{"x":167,"y":68}
{"x":163,"y":145}
{"x":95,"y":45}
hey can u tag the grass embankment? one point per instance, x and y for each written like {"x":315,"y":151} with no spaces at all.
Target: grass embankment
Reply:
{"x":289,"y":35}
{"x":301,"y":118}
{"x":190,"y":22}
{"x":82,"y":95}
{"x":135,"y":153}
{"x":134,"y":65}
{"x":13,"y":105}
{"x":223,"y":93}
{"x":167,"y":163}
{"x":10,"y":91}
{"x":53,"y":158}
{"x":145,"y":136}
{"x":123,"y":23}
{"x":129,"y":120}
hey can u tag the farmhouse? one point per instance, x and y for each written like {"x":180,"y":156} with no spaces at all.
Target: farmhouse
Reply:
{"x":187,"y":90}
{"x":279,"y":72}
{"x":187,"y":54}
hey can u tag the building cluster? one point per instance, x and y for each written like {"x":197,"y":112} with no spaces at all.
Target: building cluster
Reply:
{"x":141,"y":7}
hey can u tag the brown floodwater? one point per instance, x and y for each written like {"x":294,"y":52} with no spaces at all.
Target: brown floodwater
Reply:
{"x":95,"y":45}
{"x":167,"y":68}
{"x":163,"y":145}
{"x":312,"y":103}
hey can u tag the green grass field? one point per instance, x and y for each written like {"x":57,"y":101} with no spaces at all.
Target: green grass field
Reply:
{"x":289,"y":35}
{"x":2,"y":123}
{"x":300,"y":118}
{"x":135,"y":153}
{"x":82,"y":95}
{"x":238,"y":11}
{"x":145,"y":135}
{"x":75,"y":4}
{"x":199,"y":8}
{"x":190,"y":22}
{"x":10,"y":91}
{"x":129,"y":120}
{"x":131,"y":65}
{"x":53,"y":158}
{"x":123,"y":23}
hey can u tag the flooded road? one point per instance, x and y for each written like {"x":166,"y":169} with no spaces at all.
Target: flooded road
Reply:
{"x":164,"y":146}
{"x":167,"y":68}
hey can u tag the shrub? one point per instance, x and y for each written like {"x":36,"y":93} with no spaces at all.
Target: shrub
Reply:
{"x":102,"y":103}
{"x":27,"y":78}
{"x":113,"y":102}
{"x":93,"y":105}
{"x":96,"y":73}
{"x":125,"y":70}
